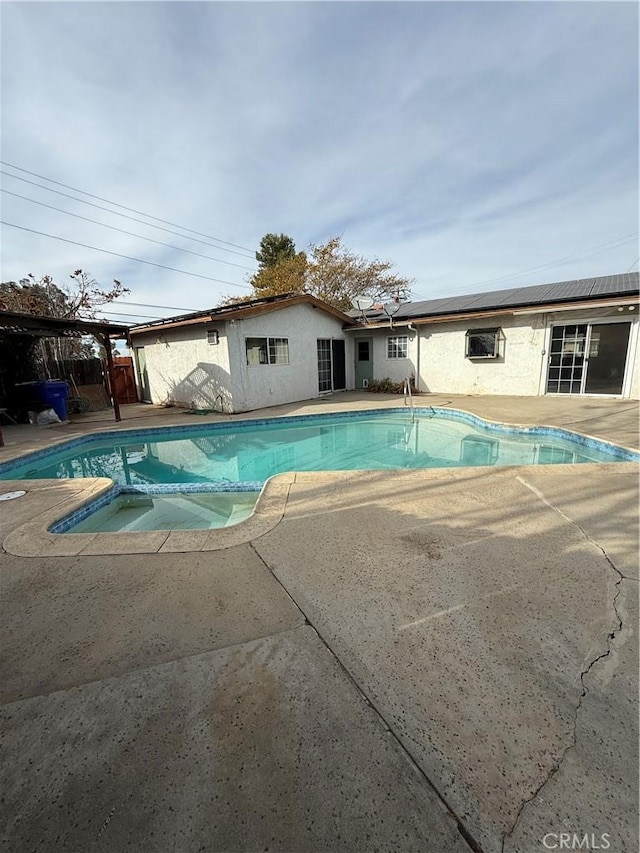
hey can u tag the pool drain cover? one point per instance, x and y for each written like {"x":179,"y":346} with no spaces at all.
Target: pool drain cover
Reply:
{"x":10,"y":496}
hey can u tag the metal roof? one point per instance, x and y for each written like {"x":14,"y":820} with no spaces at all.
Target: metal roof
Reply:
{"x":16,"y":323}
{"x":576,"y":290}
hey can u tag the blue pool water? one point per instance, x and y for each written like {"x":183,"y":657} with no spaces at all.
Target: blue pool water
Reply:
{"x":135,"y":511}
{"x":244,"y":452}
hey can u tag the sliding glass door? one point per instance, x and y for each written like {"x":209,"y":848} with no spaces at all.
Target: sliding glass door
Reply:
{"x":324,"y":365}
{"x":608,"y":344}
{"x":331,"y":365}
{"x":588,"y":358}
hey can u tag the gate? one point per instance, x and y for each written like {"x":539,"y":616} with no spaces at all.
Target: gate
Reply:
{"x":124,"y":383}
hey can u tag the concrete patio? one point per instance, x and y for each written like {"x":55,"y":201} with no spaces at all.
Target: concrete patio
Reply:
{"x":441,"y":660}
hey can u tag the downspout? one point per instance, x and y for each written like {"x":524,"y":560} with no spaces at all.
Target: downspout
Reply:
{"x":546,"y":346}
{"x":412,"y":328}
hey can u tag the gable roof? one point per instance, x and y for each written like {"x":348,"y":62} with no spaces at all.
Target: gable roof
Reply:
{"x":559,"y":293}
{"x":241,"y":310}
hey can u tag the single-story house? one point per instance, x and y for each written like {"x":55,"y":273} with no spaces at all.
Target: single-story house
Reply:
{"x":573,"y":337}
{"x":264,"y":352}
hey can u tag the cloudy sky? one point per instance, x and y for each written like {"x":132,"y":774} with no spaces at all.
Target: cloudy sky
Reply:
{"x":478,"y":146}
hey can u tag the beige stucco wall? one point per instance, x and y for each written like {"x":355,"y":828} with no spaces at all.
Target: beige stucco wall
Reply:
{"x":396,"y":369}
{"x":444,"y":367}
{"x":183,"y":368}
{"x":254,"y":387}
{"x":521,"y":368}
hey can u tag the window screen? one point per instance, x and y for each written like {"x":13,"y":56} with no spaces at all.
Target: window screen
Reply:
{"x":482,"y":343}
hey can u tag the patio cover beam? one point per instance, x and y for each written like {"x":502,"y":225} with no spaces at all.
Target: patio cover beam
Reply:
{"x":37,"y":326}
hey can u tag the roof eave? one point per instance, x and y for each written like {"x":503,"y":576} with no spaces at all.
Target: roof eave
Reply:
{"x":240,"y":313}
{"x":500,"y":312}
{"x":14,"y":322}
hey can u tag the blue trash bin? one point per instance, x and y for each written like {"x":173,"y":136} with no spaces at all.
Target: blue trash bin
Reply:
{"x":55,"y":393}
{"x":45,"y":393}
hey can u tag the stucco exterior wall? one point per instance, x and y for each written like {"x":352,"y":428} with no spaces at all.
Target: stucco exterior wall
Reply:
{"x":444,"y":367}
{"x":521,"y":368}
{"x":254,"y":387}
{"x":183,"y":368}
{"x":396,"y":369}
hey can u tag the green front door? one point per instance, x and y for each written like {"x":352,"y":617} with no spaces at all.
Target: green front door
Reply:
{"x":364,"y":362}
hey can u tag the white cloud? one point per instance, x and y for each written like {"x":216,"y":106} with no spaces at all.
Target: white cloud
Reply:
{"x":464,"y":141}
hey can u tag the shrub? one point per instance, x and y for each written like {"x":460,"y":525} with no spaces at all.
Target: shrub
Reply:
{"x":385,"y":386}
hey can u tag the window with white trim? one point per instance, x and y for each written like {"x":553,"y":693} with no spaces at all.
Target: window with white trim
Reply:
{"x":482,"y":343}
{"x":397,"y":346}
{"x":267,"y":351}
{"x":213,"y":337}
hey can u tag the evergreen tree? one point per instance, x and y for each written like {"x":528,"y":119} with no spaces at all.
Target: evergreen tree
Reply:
{"x":275,"y":248}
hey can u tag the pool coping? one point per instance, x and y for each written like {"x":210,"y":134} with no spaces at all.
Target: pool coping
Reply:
{"x":33,"y":538}
{"x":584,"y":439}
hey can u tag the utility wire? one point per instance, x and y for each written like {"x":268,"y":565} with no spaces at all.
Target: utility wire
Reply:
{"x":146,"y":305}
{"x":618,"y":241}
{"x":126,"y":257}
{"x":123,"y":314}
{"x":122,"y":231}
{"x":122,"y":206}
{"x":123,"y":215}
{"x":634,"y":263}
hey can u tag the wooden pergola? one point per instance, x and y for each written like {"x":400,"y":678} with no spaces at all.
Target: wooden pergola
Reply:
{"x":14,"y":323}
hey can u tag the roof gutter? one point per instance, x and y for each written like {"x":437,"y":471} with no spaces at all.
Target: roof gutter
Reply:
{"x":623,"y":300}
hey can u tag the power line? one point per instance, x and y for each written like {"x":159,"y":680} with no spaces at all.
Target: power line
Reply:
{"x":126,"y":257}
{"x":124,"y":314}
{"x":123,"y":231}
{"x":615,"y":243}
{"x":115,"y":204}
{"x":123,"y":215}
{"x":634,"y":263}
{"x":146,"y":305}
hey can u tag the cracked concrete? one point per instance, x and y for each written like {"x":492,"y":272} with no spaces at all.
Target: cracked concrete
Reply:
{"x":468,"y":679}
{"x":620,"y":830}
{"x":617,"y":628}
{"x":472,"y":632}
{"x":594,"y":787}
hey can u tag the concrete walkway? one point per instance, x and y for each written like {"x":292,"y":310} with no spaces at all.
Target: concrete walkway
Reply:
{"x":408,"y":661}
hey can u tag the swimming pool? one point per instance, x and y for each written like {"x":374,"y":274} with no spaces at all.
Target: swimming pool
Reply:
{"x":253,"y":450}
{"x":242,"y":455}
